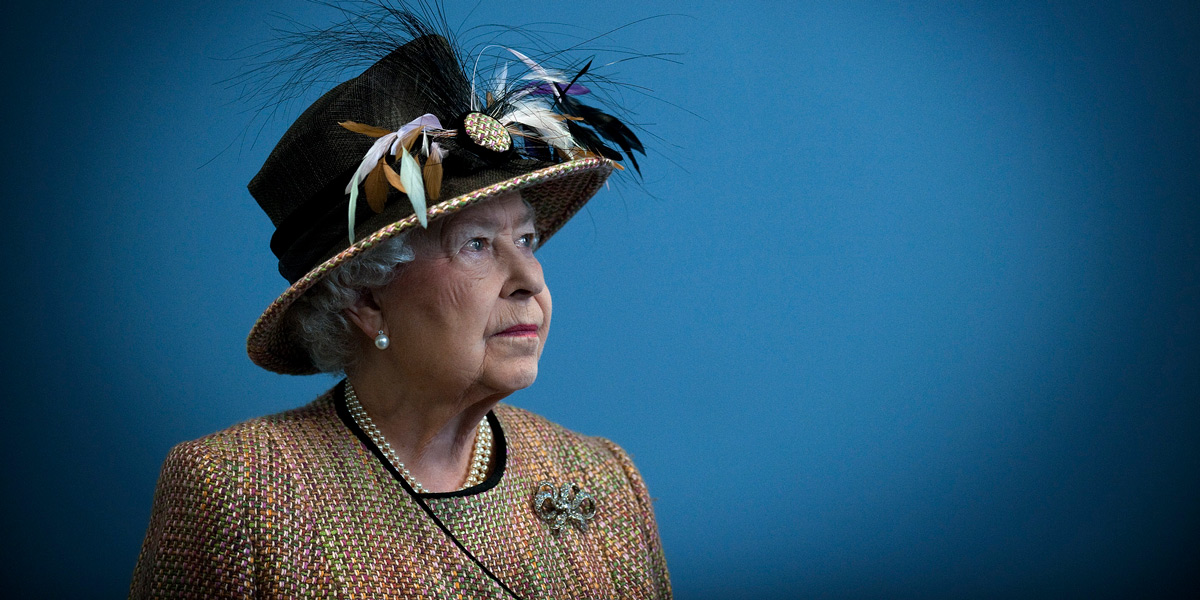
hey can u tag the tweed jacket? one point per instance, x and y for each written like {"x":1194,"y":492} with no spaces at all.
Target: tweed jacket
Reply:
{"x":302,"y":505}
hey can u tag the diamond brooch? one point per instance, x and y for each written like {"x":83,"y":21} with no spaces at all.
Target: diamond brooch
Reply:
{"x":565,"y":504}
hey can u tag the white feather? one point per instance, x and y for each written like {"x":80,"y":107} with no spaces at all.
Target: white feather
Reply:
{"x":372,"y":158}
{"x":537,"y":71}
{"x":499,"y":82}
{"x":475,"y":70}
{"x":353,"y":203}
{"x":547,"y":123}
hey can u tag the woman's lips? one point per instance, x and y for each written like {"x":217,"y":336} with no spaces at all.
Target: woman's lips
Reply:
{"x":523,"y":330}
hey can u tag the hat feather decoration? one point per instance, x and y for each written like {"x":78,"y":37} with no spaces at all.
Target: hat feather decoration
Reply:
{"x":536,"y":115}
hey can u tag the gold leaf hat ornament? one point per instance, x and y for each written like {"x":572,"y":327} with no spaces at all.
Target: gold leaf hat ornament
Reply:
{"x":412,"y":139}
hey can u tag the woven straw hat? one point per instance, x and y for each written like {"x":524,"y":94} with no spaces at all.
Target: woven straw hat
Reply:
{"x":303,"y":186}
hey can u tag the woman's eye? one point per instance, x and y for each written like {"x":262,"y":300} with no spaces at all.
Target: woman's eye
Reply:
{"x":476,"y":244}
{"x":528,"y":240}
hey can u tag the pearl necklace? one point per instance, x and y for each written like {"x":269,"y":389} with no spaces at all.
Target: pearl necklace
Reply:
{"x":481,"y":455}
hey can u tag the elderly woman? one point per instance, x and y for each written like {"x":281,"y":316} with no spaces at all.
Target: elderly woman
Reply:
{"x":408,"y":205}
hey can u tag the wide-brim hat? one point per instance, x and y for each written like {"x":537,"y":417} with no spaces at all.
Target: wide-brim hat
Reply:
{"x":475,"y":150}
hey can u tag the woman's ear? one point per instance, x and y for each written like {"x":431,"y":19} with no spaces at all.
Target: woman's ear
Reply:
{"x":366,"y":314}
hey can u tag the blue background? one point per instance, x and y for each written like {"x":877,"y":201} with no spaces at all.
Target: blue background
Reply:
{"x":908,"y":308}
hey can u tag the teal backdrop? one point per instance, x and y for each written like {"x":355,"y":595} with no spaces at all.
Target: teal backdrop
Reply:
{"x":907,"y":307}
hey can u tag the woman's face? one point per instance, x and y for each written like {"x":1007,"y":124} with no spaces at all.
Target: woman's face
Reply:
{"x":472,"y":310}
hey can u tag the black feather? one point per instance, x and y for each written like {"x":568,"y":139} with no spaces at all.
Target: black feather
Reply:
{"x":305,"y":57}
{"x":608,"y":126}
{"x":591,"y":141}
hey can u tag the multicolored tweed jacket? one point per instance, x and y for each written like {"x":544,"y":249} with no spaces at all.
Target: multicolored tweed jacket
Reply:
{"x":300,"y":505}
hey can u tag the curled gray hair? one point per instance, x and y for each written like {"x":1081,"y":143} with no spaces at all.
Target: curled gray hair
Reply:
{"x":318,"y":319}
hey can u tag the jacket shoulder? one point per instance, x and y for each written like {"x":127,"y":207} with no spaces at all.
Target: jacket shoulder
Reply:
{"x":201,"y":540}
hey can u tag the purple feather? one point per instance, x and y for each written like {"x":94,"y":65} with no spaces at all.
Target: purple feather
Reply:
{"x":545,"y":89}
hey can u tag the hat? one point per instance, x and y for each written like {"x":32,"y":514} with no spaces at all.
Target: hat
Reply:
{"x":413,"y":139}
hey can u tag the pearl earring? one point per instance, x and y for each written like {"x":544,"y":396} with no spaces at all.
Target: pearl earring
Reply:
{"x":382,"y":341}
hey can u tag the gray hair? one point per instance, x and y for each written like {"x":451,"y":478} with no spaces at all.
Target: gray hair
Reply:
{"x":318,"y":320}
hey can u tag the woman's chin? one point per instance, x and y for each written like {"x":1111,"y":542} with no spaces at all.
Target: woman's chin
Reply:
{"x":511,"y":378}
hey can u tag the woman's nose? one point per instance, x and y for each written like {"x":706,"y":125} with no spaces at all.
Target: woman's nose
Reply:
{"x":524,"y":274}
